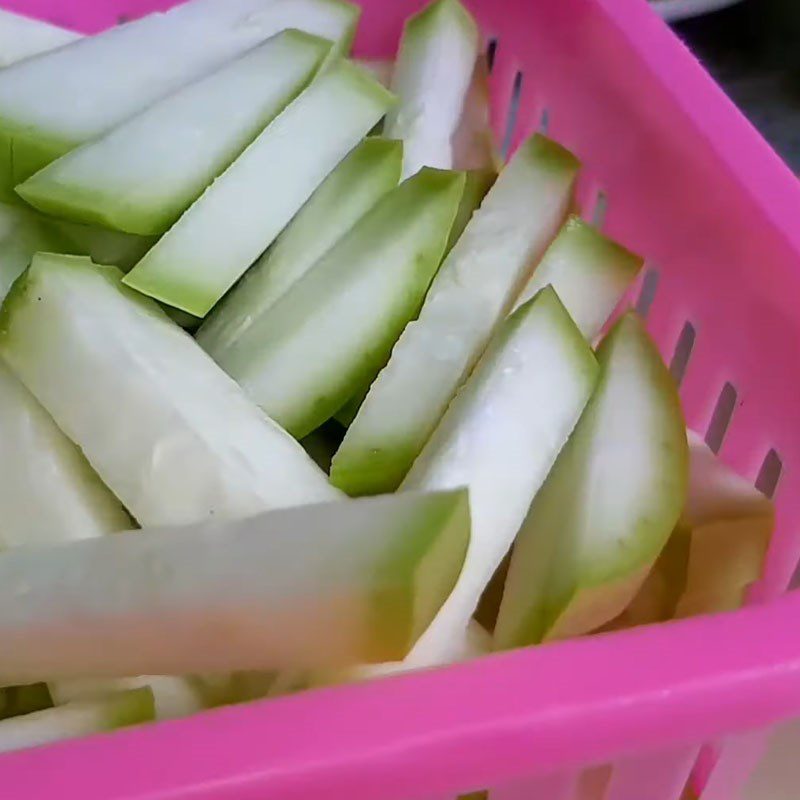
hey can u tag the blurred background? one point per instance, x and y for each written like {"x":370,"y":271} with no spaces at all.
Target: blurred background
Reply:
{"x":752,"y":47}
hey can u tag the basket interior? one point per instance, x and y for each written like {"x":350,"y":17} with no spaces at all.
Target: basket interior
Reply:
{"x":672,"y":171}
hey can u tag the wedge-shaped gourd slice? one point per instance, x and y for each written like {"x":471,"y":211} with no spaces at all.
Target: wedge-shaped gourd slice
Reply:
{"x":172,"y":436}
{"x":473,"y":290}
{"x":335,"y":327}
{"x":724,"y":533}
{"x":335,"y":20}
{"x":102,"y":245}
{"x":368,"y":172}
{"x":79,"y":718}
{"x":476,"y":184}
{"x":230,"y":688}
{"x":53,"y":102}
{"x":606,"y":511}
{"x":173,"y":697}
{"x":22,"y":234}
{"x":142,"y":175}
{"x":717,"y":550}
{"x":18,"y":700}
{"x":380,"y":69}
{"x":48,"y":491}
{"x":499,"y":438}
{"x":474,"y":147}
{"x":241,"y":213}
{"x":313,"y":587}
{"x":589,"y":272}
{"x":49,"y":494}
{"x":431,"y":77}
{"x":22,"y":37}
{"x":473,"y":142}
{"x":475,"y":642}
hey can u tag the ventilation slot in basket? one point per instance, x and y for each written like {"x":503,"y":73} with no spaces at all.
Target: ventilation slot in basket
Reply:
{"x":491,"y":51}
{"x":721,"y":418}
{"x":683,"y":352}
{"x":544,"y":121}
{"x":600,"y":209}
{"x":769,"y":474}
{"x":648,"y":293}
{"x":513,"y":111}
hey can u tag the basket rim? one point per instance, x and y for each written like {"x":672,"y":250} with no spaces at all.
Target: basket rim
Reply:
{"x":527,"y":712}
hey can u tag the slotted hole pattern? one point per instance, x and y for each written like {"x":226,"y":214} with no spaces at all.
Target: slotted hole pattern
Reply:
{"x":491,"y":52}
{"x":513,"y":111}
{"x":721,"y":418}
{"x":683,"y":352}
{"x":544,"y":121}
{"x":600,"y":210}
{"x":647,"y":295}
{"x":769,"y":474}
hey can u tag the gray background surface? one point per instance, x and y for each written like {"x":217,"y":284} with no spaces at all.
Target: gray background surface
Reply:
{"x":753,"y":50}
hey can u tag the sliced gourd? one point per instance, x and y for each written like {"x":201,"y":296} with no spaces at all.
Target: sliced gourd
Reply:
{"x":476,"y":184}
{"x":474,"y":146}
{"x":103,"y":246}
{"x":606,"y":511}
{"x":173,"y":697}
{"x":23,"y":233}
{"x":475,"y":642}
{"x":431,"y":78}
{"x":170,"y":434}
{"x":319,"y":586}
{"x":244,"y":210}
{"x":471,"y":294}
{"x":499,"y":438}
{"x":80,"y":718}
{"x":717,"y":550}
{"x":58,"y":100}
{"x":365,"y":175}
{"x":335,"y":327}
{"x":725,"y":530}
{"x":141,"y":176}
{"x":230,"y":688}
{"x":589,"y":271}
{"x":48,"y":491}
{"x":22,"y":37}
{"x":50,"y":494}
{"x":380,"y":69}
{"x":473,"y":143}
{"x":18,"y":700}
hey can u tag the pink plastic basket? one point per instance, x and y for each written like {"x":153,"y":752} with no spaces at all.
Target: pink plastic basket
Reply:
{"x":678,"y":174}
